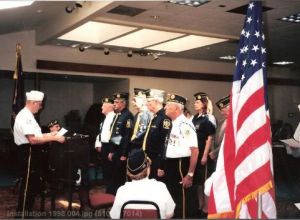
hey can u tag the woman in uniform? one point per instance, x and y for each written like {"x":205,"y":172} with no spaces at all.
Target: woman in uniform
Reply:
{"x":205,"y":125}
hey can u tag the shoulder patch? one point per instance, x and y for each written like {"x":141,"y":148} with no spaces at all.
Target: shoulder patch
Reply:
{"x":128,"y":123}
{"x":166,"y":124}
{"x":186,"y":129}
{"x":187,"y":132}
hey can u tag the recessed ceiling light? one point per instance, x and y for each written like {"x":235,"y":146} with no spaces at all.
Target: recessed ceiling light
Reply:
{"x":143,"y":38}
{"x":96,"y":32}
{"x":283,"y":63}
{"x":186,"y":43}
{"x":14,"y":4}
{"x":74,"y":45}
{"x":194,"y":3}
{"x":228,"y":57}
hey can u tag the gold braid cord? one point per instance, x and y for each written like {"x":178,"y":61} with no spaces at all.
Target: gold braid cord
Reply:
{"x":183,"y":192}
{"x":26,"y":185}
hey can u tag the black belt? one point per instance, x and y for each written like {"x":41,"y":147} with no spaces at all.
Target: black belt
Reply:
{"x":24,"y":145}
{"x":174,"y":159}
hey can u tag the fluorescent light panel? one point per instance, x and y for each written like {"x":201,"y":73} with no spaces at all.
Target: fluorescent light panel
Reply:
{"x":283,"y":63}
{"x":186,"y":43}
{"x":96,"y":32}
{"x":143,"y":38}
{"x":14,"y":4}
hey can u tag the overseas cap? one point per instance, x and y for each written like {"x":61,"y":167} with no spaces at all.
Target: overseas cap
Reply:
{"x":34,"y":95}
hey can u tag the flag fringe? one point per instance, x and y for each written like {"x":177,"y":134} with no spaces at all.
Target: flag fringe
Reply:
{"x":253,"y":195}
{"x":226,"y":215}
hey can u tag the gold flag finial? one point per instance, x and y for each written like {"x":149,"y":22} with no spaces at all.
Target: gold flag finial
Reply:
{"x":18,"y":48}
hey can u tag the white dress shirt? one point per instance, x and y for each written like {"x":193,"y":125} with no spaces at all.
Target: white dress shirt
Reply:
{"x":182,"y":137}
{"x":25,"y":124}
{"x":144,"y":189}
{"x":105,"y":131}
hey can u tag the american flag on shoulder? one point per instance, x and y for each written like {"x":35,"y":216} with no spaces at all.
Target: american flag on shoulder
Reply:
{"x":244,"y":168}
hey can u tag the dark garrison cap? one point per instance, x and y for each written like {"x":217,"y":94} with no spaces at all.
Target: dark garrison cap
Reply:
{"x":137,"y":161}
{"x":176,"y":98}
{"x":223,"y":102}
{"x":108,"y":100}
{"x":52,"y":123}
{"x":121,"y":95}
{"x":200,"y":96}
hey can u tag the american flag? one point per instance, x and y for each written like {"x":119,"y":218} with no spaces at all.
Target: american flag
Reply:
{"x":18,"y":93}
{"x":244,"y":167}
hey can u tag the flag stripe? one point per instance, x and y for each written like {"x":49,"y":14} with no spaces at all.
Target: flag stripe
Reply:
{"x":268,"y":204}
{"x":255,"y":101}
{"x":251,"y":124}
{"x":229,"y":166}
{"x":252,"y":182}
{"x":254,"y":83}
{"x":252,"y":142}
{"x":247,"y":166}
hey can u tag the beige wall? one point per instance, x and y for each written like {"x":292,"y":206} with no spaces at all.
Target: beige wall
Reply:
{"x":282,"y":99}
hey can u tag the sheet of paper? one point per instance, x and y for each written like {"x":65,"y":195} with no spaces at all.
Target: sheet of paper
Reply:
{"x":297,"y":205}
{"x":62,"y":131}
{"x":291,"y":143}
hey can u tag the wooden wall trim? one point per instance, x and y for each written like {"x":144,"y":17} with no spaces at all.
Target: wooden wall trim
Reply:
{"x":92,"y":68}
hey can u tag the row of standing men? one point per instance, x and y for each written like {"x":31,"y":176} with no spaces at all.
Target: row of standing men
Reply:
{"x":179,"y":147}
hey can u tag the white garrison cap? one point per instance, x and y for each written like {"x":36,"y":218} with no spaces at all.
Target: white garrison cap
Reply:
{"x":34,"y":95}
{"x":155,"y":94}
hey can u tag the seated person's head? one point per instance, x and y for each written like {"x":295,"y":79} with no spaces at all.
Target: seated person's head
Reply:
{"x":138,"y":164}
{"x":54,"y":126}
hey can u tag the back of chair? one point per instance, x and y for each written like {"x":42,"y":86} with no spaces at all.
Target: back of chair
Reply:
{"x":140,"y":212}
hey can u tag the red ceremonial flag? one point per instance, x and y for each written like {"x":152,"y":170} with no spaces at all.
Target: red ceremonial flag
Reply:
{"x":244,"y":170}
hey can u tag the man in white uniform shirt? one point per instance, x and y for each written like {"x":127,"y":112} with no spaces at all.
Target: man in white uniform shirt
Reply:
{"x":28,"y":136}
{"x":142,"y":188}
{"x":102,"y":140}
{"x":181,"y":158}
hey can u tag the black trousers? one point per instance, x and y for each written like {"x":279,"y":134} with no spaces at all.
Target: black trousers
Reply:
{"x":186,"y":200}
{"x":118,"y":173}
{"x":32,"y":178}
{"x":155,"y":165}
{"x":106,"y":164}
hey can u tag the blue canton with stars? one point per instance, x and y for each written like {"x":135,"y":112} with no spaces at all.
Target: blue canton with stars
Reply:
{"x":252,"y":53}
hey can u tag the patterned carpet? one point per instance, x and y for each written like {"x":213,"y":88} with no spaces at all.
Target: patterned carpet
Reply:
{"x":287,"y":182}
{"x":9,"y":197}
